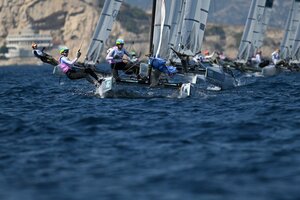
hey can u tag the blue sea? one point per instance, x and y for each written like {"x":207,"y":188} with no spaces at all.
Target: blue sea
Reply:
{"x":60,"y":141}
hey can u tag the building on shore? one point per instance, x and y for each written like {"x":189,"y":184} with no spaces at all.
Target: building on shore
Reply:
{"x":19,"y":45}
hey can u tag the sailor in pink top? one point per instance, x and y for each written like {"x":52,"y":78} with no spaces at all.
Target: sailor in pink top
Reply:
{"x":67,"y":66}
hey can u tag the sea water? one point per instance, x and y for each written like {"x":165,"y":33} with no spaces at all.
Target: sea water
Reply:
{"x":60,"y":141}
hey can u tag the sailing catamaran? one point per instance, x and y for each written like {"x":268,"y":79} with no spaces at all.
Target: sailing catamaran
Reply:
{"x":187,"y":41}
{"x":258,"y":18}
{"x":291,"y":43}
{"x":104,"y":26}
{"x":110,"y":87}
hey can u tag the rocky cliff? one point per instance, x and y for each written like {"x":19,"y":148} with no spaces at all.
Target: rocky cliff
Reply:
{"x":69,"y":22}
{"x":66,"y":21}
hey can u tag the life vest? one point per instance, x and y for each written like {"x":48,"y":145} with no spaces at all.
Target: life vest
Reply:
{"x":114,"y":51}
{"x":63,"y":66}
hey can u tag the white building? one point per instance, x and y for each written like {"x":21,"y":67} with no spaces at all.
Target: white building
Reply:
{"x":19,"y":45}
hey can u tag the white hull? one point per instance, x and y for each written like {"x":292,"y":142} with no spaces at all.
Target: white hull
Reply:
{"x":131,"y":88}
{"x":270,"y":70}
{"x":216,"y":76}
{"x":105,"y":87}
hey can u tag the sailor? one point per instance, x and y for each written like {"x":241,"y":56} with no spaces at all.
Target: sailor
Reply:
{"x":134,"y":58}
{"x":42,"y":55}
{"x":258,"y":57}
{"x":198,"y":57}
{"x":275,"y":56}
{"x":67,"y":66}
{"x":221,"y":55}
{"x":208,"y":56}
{"x":115,"y":58}
{"x":259,"y":61}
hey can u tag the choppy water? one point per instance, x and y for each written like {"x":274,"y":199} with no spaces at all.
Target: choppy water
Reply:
{"x":62,"y":142}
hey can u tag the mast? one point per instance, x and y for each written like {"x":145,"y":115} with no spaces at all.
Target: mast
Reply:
{"x":151,"y":46}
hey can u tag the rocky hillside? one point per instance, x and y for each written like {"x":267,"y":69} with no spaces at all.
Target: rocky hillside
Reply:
{"x":73,"y":22}
{"x":69,"y":22}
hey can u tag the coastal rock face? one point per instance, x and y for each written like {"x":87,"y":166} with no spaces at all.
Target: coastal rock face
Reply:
{"x":69,"y":23}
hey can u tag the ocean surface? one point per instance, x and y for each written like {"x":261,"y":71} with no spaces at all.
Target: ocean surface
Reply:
{"x":60,"y":141}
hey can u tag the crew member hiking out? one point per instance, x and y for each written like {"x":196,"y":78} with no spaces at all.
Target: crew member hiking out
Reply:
{"x":67,"y":66}
{"x":115,"y":59}
{"x":44,"y":57}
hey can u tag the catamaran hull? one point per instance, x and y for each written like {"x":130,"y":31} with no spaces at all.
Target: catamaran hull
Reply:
{"x":218,"y":77}
{"x":270,"y":70}
{"x":132,"y":89}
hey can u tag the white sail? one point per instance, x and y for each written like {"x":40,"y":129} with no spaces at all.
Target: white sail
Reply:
{"x":203,"y":20}
{"x":290,"y":38}
{"x":176,"y":13}
{"x":194,"y":23}
{"x":162,"y":24}
{"x":263,"y":20}
{"x":162,"y":28}
{"x":296,"y":48}
{"x":256,"y":25}
{"x":107,"y":18}
{"x":177,"y":39}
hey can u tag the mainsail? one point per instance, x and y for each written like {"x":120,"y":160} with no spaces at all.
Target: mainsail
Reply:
{"x":290,"y":40}
{"x":175,"y":40}
{"x":258,"y":18}
{"x":163,"y":25}
{"x":194,"y":23}
{"x":107,"y":18}
{"x":263,"y":20}
{"x":296,"y":48}
{"x":177,"y":18}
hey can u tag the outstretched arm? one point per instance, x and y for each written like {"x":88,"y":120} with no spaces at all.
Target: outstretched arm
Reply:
{"x":69,"y":62}
{"x":127,"y":53}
